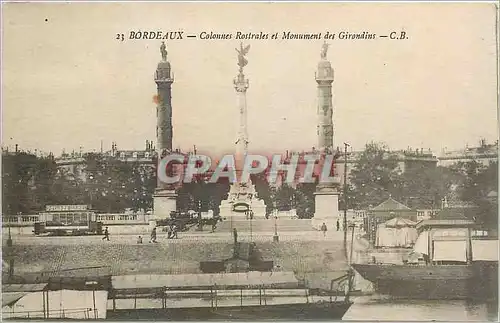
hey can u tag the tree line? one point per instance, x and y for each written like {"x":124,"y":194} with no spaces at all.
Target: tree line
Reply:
{"x":111,"y":185}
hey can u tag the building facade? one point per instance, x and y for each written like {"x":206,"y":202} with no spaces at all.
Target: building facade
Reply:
{"x":484,"y":153}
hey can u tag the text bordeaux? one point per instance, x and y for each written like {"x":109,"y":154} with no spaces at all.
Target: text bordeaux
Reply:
{"x":156,"y":35}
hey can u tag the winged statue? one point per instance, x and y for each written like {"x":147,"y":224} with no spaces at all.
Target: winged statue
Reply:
{"x":242,"y":61}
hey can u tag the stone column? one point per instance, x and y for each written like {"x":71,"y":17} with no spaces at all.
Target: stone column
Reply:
{"x":327,"y":195}
{"x":164,"y":199}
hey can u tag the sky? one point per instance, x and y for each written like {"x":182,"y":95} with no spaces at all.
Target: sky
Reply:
{"x":69,"y":83}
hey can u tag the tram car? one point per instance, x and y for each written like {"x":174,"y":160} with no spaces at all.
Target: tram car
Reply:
{"x":68,"y":220}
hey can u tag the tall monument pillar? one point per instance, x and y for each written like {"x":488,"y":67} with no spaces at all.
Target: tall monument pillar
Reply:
{"x":324,"y":79}
{"x":241,"y":85}
{"x":164,"y":199}
{"x":242,"y":197}
{"x":326,"y":195}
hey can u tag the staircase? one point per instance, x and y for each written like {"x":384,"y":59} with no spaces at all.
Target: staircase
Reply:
{"x":264,"y":225}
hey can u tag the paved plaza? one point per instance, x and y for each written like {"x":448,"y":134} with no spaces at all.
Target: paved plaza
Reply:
{"x":183,"y":237}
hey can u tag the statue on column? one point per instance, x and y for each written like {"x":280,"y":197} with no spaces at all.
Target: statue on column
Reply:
{"x":242,"y":61}
{"x":324,"y":50}
{"x":163,"y":51}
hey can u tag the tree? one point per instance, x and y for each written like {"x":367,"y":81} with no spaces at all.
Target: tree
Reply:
{"x":113,"y":185}
{"x":352,"y":198}
{"x":143,"y":183}
{"x":284,"y":197}
{"x":66,"y":188}
{"x":210,"y":195}
{"x":425,"y":187}
{"x":304,"y":200}
{"x":18,"y":172}
{"x":374,"y":176}
{"x":479,"y":181}
{"x":30,"y":183}
{"x":263,"y":190}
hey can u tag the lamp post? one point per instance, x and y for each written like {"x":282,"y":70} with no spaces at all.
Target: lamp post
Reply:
{"x":251,"y":229}
{"x":345,"y":195}
{"x":352,"y":226}
{"x":200,"y":223}
{"x":10,"y":256}
{"x":275,"y":237}
{"x":91,"y":190}
{"x":9,"y":239}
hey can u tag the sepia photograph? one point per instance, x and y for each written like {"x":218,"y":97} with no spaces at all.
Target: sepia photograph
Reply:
{"x":252,"y":161}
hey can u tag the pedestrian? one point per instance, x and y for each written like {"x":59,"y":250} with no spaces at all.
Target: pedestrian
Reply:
{"x":324,"y":229}
{"x":169,"y":232}
{"x":139,"y":240}
{"x":338,"y":225}
{"x":174,"y":231}
{"x":106,"y":234}
{"x":153,"y":235}
{"x":214,"y":224}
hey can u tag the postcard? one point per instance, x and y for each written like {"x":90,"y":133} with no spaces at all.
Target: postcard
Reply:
{"x":250,"y":161}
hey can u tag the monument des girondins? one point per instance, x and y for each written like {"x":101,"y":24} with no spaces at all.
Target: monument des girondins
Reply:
{"x":316,"y":167}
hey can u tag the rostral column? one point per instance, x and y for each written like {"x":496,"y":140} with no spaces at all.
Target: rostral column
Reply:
{"x":164,"y":199}
{"x":327,"y":194}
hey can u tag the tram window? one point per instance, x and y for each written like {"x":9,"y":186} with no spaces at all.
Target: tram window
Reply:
{"x":80,"y":218}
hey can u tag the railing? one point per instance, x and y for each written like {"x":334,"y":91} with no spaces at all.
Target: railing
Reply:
{"x":340,"y":283}
{"x":259,"y":295}
{"x":63,"y":313}
{"x":121,"y":217}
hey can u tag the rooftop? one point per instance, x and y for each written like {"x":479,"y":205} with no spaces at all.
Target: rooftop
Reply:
{"x":390,"y":205}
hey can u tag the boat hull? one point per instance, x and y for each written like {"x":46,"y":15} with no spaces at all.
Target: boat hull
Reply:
{"x":476,"y":281}
{"x":309,"y":311}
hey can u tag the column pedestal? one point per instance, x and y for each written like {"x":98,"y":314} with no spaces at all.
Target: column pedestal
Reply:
{"x":164,"y":202}
{"x":326,"y":210}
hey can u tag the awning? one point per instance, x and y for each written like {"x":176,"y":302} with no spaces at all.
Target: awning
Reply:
{"x":399,"y":222}
{"x":63,"y":304}
{"x":8,"y":299}
{"x":422,"y":243}
{"x":454,"y":250}
{"x":10,"y":288}
{"x":486,"y":250}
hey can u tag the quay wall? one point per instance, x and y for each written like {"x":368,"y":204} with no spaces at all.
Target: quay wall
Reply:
{"x":301,"y":257}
